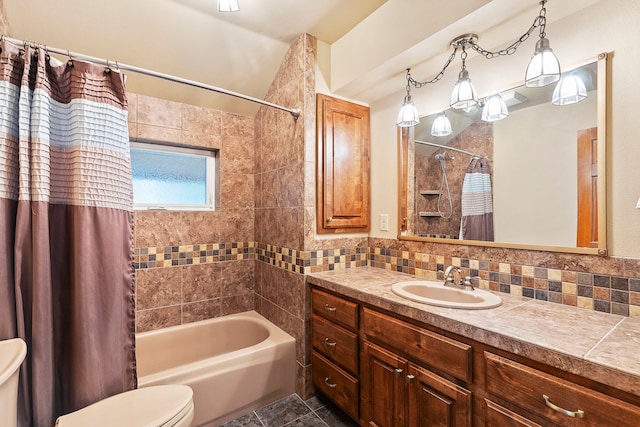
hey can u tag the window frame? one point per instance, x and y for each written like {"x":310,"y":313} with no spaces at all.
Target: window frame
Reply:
{"x":211,"y":165}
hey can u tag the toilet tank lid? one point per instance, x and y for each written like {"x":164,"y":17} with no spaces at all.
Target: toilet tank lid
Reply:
{"x":147,"y":406}
{"x":12,"y":353}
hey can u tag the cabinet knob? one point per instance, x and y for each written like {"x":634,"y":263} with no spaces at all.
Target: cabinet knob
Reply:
{"x":330,"y":219}
{"x":398,"y":372}
{"x":332,"y":385}
{"x":410,"y":379}
{"x":577,"y":414}
{"x":329,"y":308}
{"x":329,"y":343}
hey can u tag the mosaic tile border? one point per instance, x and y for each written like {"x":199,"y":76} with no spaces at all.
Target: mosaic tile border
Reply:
{"x":305,"y":262}
{"x":598,"y":292}
{"x":172,"y":256}
{"x":302,"y":262}
{"x":608,"y":294}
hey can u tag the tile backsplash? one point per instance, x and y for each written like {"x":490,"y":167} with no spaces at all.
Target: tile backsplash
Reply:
{"x":601,"y":292}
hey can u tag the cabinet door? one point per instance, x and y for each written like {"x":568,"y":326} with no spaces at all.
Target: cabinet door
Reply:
{"x":382,"y":392}
{"x":434,"y":401}
{"x":343,"y":166}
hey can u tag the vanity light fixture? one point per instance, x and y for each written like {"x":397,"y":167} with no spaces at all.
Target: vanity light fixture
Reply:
{"x":464,"y":94}
{"x":408,"y":115}
{"x":544,"y":67}
{"x":441,"y":125}
{"x":228,"y":6}
{"x":569,"y":90}
{"x":542,"y":70}
{"x":494,"y":109}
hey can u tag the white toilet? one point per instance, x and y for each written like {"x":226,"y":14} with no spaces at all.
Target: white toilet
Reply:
{"x":159,"y":406}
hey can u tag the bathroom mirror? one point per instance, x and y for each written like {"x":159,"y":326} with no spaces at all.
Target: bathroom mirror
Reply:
{"x":546,"y":165}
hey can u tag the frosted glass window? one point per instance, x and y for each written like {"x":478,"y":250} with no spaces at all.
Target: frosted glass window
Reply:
{"x":170,"y":177}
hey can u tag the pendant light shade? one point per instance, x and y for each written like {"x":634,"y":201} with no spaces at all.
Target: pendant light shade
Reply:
{"x":408,"y":115}
{"x":569,"y":90}
{"x":544,"y":67}
{"x":494,"y":109}
{"x":464,"y":94}
{"x":441,"y":125}
{"x":228,"y":5}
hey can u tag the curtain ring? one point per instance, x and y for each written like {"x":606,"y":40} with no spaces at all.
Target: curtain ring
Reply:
{"x":46,"y":53}
{"x":108,"y":69}
{"x":70,"y":61}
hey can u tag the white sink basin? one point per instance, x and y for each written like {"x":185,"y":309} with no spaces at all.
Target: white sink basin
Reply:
{"x":435,"y":293}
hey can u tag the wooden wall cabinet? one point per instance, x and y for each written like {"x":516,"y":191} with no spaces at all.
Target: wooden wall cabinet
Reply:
{"x":342,"y":181}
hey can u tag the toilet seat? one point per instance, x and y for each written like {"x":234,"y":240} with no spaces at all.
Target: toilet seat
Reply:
{"x":158,"y":406}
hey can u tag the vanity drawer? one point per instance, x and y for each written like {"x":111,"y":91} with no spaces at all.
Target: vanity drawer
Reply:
{"x":334,"y":308}
{"x":435,"y":350}
{"x":525,"y":387}
{"x":496,"y":415}
{"x":335,"y":343}
{"x":336,"y":384}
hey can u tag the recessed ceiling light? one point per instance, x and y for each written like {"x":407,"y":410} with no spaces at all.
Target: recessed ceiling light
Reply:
{"x":228,"y":6}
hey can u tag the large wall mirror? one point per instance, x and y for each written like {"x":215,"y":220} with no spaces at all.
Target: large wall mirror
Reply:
{"x":546,"y":168}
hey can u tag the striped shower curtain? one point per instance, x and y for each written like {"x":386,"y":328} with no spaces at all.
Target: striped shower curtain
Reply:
{"x":66,"y":230}
{"x":477,"y":205}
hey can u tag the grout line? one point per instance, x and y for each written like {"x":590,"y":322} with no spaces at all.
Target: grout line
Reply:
{"x":258,"y":417}
{"x":603,"y":338}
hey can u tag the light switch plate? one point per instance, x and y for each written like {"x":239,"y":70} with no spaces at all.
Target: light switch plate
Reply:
{"x":384,"y":222}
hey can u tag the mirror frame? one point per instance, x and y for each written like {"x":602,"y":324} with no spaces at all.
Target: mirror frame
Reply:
{"x":405,"y":135}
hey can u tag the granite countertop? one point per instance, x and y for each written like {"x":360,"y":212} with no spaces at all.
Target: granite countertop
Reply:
{"x":599,"y":346}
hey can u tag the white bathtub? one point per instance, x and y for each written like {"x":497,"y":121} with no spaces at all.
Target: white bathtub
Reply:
{"x":234,"y":364}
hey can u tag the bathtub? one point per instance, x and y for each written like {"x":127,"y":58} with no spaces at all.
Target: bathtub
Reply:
{"x":234,"y":364}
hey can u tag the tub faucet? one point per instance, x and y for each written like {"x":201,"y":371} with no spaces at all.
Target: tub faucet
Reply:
{"x":453,"y":277}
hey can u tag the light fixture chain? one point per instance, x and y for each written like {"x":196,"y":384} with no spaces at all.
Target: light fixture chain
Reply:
{"x":539,"y":21}
{"x":438,"y":76}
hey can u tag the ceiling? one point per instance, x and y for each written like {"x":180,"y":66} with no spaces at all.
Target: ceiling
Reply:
{"x":370,"y":42}
{"x":239,"y":51}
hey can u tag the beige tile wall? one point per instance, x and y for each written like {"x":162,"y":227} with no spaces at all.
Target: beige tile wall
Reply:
{"x":283,"y":199}
{"x":185,"y":293}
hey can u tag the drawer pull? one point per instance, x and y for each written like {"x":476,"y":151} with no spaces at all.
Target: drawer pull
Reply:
{"x":329,"y":308}
{"x":326,"y":381}
{"x":329,"y":342}
{"x":410,"y":379}
{"x":398,"y":372}
{"x":577,"y":414}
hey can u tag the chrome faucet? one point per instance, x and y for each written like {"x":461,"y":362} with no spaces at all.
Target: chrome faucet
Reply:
{"x":453,"y":277}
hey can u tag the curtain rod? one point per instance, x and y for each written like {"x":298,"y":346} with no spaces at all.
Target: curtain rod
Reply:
{"x":433,"y":144}
{"x":295,"y":112}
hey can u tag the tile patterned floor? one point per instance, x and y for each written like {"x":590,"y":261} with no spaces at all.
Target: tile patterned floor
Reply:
{"x":292,"y":411}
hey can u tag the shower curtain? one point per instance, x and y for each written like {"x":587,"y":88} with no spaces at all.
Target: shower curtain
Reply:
{"x":66,"y":266}
{"x":477,"y":209}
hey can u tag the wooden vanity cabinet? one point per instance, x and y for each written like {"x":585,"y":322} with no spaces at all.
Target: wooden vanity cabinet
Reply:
{"x":385,"y":371}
